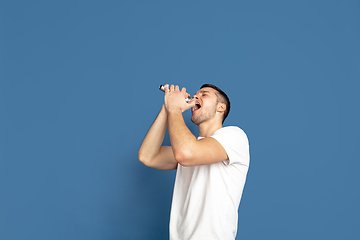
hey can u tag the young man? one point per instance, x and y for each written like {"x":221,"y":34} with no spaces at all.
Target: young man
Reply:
{"x":211,"y":169}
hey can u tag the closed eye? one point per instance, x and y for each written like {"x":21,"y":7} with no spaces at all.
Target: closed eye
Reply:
{"x":203,"y":93}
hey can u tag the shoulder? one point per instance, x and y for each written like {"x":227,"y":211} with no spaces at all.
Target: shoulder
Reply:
{"x":235,"y":142}
{"x":231,"y":131}
{"x":231,"y":135}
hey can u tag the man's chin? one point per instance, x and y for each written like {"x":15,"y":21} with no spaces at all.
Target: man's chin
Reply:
{"x":195,"y":120}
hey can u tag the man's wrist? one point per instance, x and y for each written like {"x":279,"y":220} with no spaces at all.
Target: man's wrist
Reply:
{"x":174,"y":111}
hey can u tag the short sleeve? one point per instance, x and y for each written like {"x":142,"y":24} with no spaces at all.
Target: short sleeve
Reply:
{"x":236,"y":144}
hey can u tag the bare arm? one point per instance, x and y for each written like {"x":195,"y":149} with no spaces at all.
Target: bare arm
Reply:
{"x":151,"y":153}
{"x":188,"y":151}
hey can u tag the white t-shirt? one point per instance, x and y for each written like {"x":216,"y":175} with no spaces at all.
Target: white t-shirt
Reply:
{"x":206,"y":198}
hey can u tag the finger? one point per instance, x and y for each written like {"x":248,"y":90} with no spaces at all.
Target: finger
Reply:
{"x":172,"y":88}
{"x":191,"y":104}
{"x":166,"y":88}
{"x":183,"y":90}
{"x":177,"y":88}
{"x":187,"y":95}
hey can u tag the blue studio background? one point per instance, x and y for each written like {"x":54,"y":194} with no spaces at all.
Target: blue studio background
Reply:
{"x":79,"y":90}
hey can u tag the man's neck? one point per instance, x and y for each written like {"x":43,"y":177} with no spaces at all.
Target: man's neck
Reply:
{"x":208,"y":128}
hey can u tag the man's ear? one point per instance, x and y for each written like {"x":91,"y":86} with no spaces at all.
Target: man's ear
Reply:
{"x":221,"y":107}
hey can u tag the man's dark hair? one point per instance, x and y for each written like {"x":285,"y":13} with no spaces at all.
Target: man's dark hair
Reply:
{"x":222,"y":97}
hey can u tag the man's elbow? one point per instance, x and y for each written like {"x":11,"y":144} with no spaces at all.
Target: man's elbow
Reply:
{"x":183,"y":158}
{"x":143,"y":158}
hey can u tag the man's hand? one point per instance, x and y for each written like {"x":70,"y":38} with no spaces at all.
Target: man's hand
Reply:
{"x":175,"y":99}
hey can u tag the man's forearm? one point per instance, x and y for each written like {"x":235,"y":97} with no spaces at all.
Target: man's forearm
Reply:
{"x":181,"y":138}
{"x":151,"y":144}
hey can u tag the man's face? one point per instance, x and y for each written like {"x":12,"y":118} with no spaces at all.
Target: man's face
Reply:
{"x":206,"y":103}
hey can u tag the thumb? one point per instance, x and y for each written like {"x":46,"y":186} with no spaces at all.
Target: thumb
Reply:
{"x":191,"y":104}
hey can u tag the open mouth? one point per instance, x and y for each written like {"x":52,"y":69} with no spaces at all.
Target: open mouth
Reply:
{"x":197,"y":106}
